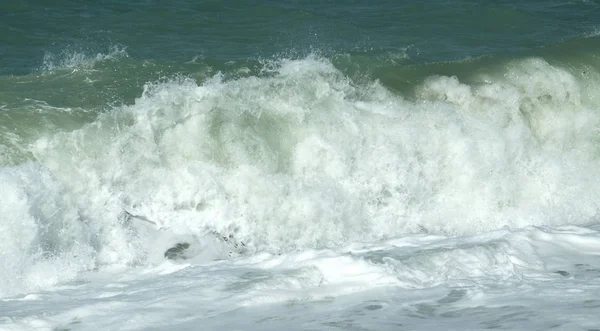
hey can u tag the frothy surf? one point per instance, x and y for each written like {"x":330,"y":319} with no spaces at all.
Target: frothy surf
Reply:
{"x":300,"y":158}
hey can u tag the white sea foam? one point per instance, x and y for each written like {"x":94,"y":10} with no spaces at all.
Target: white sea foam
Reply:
{"x":496,"y":279}
{"x":593,"y":33}
{"x":302,"y":161}
{"x":73,"y":59}
{"x":42,"y":238}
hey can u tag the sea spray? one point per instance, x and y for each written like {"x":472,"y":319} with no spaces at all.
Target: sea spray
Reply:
{"x":304,"y":157}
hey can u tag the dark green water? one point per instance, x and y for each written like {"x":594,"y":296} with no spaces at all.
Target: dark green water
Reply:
{"x":435,"y":31}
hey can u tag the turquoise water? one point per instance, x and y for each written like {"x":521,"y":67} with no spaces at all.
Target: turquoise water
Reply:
{"x":38,"y":36}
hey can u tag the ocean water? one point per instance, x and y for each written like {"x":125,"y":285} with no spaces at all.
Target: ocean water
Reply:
{"x":269,"y":165}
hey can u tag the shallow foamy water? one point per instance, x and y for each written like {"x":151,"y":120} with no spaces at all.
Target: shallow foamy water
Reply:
{"x":536,"y":278}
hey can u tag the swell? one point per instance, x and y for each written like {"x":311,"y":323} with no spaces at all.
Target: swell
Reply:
{"x":404,"y":70}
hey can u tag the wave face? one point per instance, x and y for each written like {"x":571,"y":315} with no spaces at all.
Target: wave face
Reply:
{"x":297,"y":154}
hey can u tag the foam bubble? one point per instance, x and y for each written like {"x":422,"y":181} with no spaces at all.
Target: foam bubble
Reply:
{"x":43,"y":239}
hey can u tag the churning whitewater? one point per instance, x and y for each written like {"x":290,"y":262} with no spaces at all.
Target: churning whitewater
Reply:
{"x":300,"y":157}
{"x":343,"y":172}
